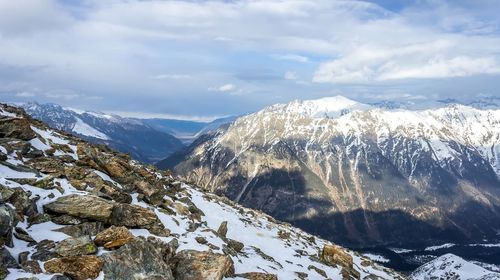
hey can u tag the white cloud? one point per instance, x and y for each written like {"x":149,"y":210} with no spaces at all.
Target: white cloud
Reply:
{"x":172,"y":77}
{"x":291,"y":57}
{"x":226,"y":88}
{"x":25,"y":94}
{"x":290,"y":75}
{"x":443,"y":58}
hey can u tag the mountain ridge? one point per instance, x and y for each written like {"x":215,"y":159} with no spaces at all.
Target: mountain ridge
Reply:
{"x":428,"y":169}
{"x":85,"y":211}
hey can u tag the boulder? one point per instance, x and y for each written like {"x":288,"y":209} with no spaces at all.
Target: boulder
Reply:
{"x":82,"y":206}
{"x":235,"y":245}
{"x":18,"y":128}
{"x":76,"y":267}
{"x":76,"y":246}
{"x":83,"y":229}
{"x":44,"y":251}
{"x":335,"y":255}
{"x":258,"y":276}
{"x":222,"y":230}
{"x":196,"y":265}
{"x":113,"y":237}
{"x":139,"y":259}
{"x":134,"y":216}
{"x":7,"y":223}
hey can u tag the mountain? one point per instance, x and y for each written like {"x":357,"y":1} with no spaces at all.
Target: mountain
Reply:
{"x":450,"y":266}
{"x":186,"y":131}
{"x":358,"y":174}
{"x":140,"y":140}
{"x":74,"y":210}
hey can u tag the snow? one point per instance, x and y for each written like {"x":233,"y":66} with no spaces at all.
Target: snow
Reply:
{"x":82,"y":128}
{"x":377,"y":258}
{"x":7,"y":172}
{"x":443,"y":246}
{"x":450,"y":266}
{"x":7,"y":114}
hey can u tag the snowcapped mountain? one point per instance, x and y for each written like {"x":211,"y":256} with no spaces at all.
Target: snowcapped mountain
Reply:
{"x":133,"y":136}
{"x":450,"y":266}
{"x":74,"y":210}
{"x":356,"y":173}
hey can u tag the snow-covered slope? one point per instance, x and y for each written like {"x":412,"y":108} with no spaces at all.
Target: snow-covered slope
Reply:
{"x":57,"y":190}
{"x":450,"y":266}
{"x":330,"y":107}
{"x":344,"y":169}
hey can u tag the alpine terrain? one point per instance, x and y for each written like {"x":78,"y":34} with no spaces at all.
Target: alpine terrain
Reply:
{"x":133,"y":136}
{"x":74,"y":210}
{"x":359,"y":174}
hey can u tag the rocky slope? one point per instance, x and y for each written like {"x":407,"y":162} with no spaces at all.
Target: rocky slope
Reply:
{"x":450,"y":266}
{"x":358,"y":174}
{"x":132,"y":136}
{"x":73,"y":210}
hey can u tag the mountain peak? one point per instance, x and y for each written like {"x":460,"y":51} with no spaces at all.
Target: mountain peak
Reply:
{"x":330,"y":107}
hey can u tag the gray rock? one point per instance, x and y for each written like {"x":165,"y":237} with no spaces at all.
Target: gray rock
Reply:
{"x":196,"y":265}
{"x":222,"y":231}
{"x":134,"y":216}
{"x":7,"y":223}
{"x":76,"y":247}
{"x":138,"y":259}
{"x":84,"y":229}
{"x":82,"y":206}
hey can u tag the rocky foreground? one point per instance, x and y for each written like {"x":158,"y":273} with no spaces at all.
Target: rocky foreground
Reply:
{"x":73,"y":210}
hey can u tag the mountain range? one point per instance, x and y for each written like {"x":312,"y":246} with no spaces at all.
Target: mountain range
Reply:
{"x":147,"y":140}
{"x":358,"y":174}
{"x":73,"y":210}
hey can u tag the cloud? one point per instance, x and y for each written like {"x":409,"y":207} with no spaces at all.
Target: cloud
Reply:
{"x":290,"y":75}
{"x":172,"y":77}
{"x":25,"y":94}
{"x":291,"y":57}
{"x":226,"y":88}
{"x":152,"y":55}
{"x":443,"y":58}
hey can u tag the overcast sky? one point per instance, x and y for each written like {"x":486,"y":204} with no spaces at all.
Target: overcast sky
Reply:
{"x":202,"y":59}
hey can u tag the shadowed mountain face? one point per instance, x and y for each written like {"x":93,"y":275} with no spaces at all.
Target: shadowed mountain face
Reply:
{"x":357,"y":175}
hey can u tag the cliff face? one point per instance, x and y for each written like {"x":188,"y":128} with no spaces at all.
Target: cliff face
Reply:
{"x":356,"y":174}
{"x":73,"y":208}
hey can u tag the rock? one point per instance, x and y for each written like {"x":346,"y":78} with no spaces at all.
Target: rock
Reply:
{"x":235,"y":245}
{"x":116,"y":168}
{"x":82,"y":206}
{"x":76,"y":246}
{"x":7,"y":260}
{"x":76,"y":267}
{"x":318,"y":270}
{"x":201,"y":240}
{"x":38,"y":219}
{"x":44,"y":251}
{"x":7,"y":223}
{"x":138,"y":259}
{"x":134,"y":216}
{"x":60,"y":277}
{"x":67,"y":220}
{"x":84,"y":229}
{"x":18,"y":128}
{"x":258,"y":276}
{"x":23,"y":235}
{"x":335,"y":255}
{"x":32,"y":266}
{"x":196,"y":265}
{"x":222,"y":231}
{"x":113,"y":237}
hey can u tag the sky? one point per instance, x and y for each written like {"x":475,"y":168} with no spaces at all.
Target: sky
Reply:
{"x":206,"y":59}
